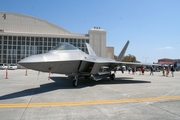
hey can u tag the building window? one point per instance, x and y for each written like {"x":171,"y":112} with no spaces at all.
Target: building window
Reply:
{"x":49,"y":42}
{"x":54,"y":39}
{"x":14,"y":61}
{"x":5,"y":47}
{"x":14,"y":51}
{"x":4,"y":60}
{"x":71,"y":40}
{"x":18,"y":52}
{"x":0,"y":39}
{"x":10,"y":40}
{"x":74,"y":40}
{"x":45,"y":41}
{"x":74,"y":44}
{"x":10,"y":37}
{"x":4,"y":52}
{"x":23,"y":42}
{"x":23,"y":38}
{"x":62,"y":39}
{"x":5,"y":37}
{"x":14,"y":40}
{"x":49,"y":48}
{"x":54,"y":42}
{"x":32,"y":40}
{"x":37,"y":40}
{"x":40,"y":41}
{"x":87,"y":40}
{"x":66,"y":40}
{"x":9,"y":51}
{"x":5,"y":42}
{"x":9,"y":47}
{"x":40,"y":48}
{"x":28,"y":41}
{"x":58,"y":40}
{"x":19,"y":40}
{"x":79,"y":45}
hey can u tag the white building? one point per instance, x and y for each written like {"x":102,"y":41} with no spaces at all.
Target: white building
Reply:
{"x":22,"y":36}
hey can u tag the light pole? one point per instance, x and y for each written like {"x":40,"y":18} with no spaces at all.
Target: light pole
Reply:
{"x":145,"y":59}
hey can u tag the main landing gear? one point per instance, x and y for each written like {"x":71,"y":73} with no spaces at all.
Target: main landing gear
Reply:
{"x":112,"y":76}
{"x":75,"y":82}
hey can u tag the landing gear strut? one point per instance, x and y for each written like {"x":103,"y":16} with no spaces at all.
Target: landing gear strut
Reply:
{"x":112,"y":76}
{"x":75,"y":82}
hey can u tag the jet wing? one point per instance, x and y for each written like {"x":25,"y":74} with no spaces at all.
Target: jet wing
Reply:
{"x":96,"y":66}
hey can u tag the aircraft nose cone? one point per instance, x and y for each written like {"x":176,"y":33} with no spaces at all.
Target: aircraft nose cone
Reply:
{"x":32,"y":61}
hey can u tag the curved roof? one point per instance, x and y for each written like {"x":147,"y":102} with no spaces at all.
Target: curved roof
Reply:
{"x":18,"y":23}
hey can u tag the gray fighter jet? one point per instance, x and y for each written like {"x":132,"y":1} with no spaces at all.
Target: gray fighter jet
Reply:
{"x":69,"y":60}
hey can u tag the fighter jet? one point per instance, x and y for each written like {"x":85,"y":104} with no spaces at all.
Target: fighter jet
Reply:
{"x":71,"y":61}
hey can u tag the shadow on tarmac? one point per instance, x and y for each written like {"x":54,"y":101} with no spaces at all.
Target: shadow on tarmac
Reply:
{"x":65,"y":83}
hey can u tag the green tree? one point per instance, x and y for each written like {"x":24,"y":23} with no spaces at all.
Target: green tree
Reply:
{"x":129,"y":58}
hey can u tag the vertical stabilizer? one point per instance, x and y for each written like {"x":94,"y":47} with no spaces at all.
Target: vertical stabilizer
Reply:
{"x":121,"y":55}
{"x":90,"y":50}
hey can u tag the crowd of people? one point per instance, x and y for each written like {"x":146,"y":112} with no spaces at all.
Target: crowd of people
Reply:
{"x":165,"y":70}
{"x":134,"y":70}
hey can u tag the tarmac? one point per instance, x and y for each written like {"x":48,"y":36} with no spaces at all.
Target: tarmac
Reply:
{"x":129,"y":97}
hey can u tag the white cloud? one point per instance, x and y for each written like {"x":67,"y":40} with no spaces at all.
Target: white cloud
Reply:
{"x":165,"y":48}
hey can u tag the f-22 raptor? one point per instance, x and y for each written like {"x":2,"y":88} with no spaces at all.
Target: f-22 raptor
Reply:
{"x":71,"y":61}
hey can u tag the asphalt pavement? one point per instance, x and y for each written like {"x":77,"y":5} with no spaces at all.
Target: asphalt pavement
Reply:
{"x":129,"y":97}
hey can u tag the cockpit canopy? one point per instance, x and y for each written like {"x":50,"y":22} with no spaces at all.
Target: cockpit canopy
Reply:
{"x":64,"y":46}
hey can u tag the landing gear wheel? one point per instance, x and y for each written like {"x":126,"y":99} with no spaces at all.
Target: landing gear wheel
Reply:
{"x":75,"y":83}
{"x":87,"y":77}
{"x":112,"y":76}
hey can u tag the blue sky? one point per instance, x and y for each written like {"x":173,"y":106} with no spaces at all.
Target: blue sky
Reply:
{"x":152,"y":26}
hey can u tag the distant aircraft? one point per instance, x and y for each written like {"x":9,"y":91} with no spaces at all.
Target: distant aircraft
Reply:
{"x":71,"y":61}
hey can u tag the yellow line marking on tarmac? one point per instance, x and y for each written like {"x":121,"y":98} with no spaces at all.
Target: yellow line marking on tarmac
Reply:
{"x":93,"y":102}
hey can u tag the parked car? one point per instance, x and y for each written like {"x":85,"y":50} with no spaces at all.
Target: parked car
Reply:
{"x":12,"y":67}
{"x":3,"y":66}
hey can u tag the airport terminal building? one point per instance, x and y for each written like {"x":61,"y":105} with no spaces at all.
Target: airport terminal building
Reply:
{"x":22,"y":36}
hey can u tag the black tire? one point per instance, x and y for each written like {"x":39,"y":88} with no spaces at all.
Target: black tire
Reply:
{"x":112,"y":76}
{"x":75,"y":83}
{"x":87,"y":77}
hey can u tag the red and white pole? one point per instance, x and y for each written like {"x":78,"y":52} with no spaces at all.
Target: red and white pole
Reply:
{"x":6,"y":73}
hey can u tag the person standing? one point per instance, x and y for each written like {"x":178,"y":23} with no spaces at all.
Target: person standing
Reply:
{"x":163,"y":71}
{"x":167,"y":71}
{"x":129,"y":69}
{"x":142,"y":69}
{"x":139,"y":69}
{"x":133,"y":70}
{"x":172,"y":71}
{"x":152,"y":70}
